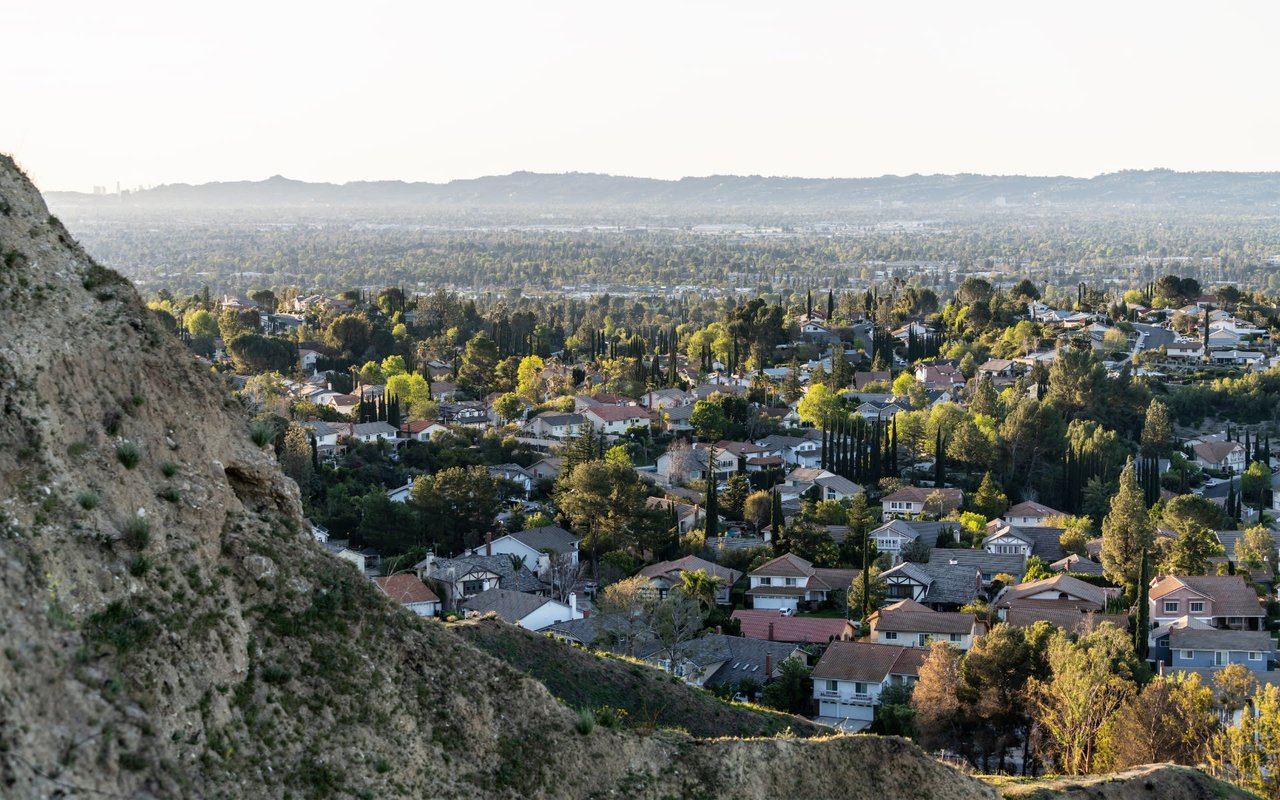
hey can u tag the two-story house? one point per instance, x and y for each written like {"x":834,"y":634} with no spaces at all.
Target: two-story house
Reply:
{"x":1029,"y":514}
{"x":788,"y":581}
{"x":614,"y":421}
{"x":666,"y":575}
{"x":911,"y":624}
{"x":826,"y":485}
{"x":1223,"y":456}
{"x":553,"y":425}
{"x":1223,"y":601}
{"x":1029,"y":541}
{"x":537,"y":546}
{"x":850,"y":676}
{"x":514,"y":474}
{"x":456,"y":579}
{"x":897,"y":533}
{"x":796,"y":451}
{"x":916,"y":500}
{"x":943,"y":583}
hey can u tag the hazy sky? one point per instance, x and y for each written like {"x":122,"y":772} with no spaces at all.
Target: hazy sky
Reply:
{"x":156,"y":92}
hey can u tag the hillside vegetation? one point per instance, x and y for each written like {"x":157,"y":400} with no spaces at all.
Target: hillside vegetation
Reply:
{"x":650,"y":697}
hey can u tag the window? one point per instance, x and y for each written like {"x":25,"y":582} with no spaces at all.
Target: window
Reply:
{"x":790,"y":581}
{"x":1186,"y":655}
{"x":955,"y":637}
{"x":1171,"y":607}
{"x":1196,"y":606}
{"x":859,"y":688}
{"x":898,"y":591}
{"x":922,"y":639}
{"x":1220,"y":658}
{"x":832,"y":686}
{"x":472,"y":587}
{"x":891,"y":636}
{"x":1255,"y":656}
{"x":766,"y":581}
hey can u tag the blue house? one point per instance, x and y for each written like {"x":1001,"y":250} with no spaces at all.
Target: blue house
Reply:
{"x":1194,"y":648}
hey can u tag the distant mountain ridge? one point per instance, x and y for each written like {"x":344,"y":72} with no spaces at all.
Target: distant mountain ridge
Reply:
{"x":1133,"y":188}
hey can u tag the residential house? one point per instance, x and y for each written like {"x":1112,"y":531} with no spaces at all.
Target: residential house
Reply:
{"x":911,"y":624}
{"x":1194,"y":648}
{"x":656,"y":399}
{"x":688,"y":515}
{"x":676,"y":419}
{"x":943,"y":583}
{"x":989,"y":565}
{"x":409,"y":591}
{"x":1030,"y":541}
{"x":1229,"y":540}
{"x":401,"y":494}
{"x":998,"y":369}
{"x":307,"y":359}
{"x":421,"y":430}
{"x":537,"y":546}
{"x":681,"y":465}
{"x":553,"y":425}
{"x":546,"y":469}
{"x":1031,"y":514}
{"x":353,"y":557}
{"x":715,"y":660}
{"x":751,"y":457}
{"x":776,"y":627}
{"x":1077,"y":565}
{"x":882,"y":410}
{"x":1244,"y":358}
{"x":1185,"y":349}
{"x":914,"y":500}
{"x":940,"y":376}
{"x":369,"y":432}
{"x":828,"y":485}
{"x":343,"y":403}
{"x":516,"y":474}
{"x":789,"y":580}
{"x":1060,"y":592}
{"x":666,"y":575}
{"x":796,"y":451}
{"x":326,"y":436}
{"x":456,"y":579}
{"x":614,"y":421}
{"x":861,"y":379}
{"x":444,"y":390}
{"x":896,"y":533}
{"x":848,"y":680}
{"x":530,"y":611}
{"x":1224,"y":601}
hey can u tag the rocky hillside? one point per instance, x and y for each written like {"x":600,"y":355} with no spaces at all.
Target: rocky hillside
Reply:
{"x":170,"y":629}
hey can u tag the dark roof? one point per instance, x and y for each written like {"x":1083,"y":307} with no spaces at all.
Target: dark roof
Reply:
{"x":1044,"y":541}
{"x":1195,"y":639}
{"x":916,"y":530}
{"x":948,"y":584}
{"x":989,"y":563}
{"x":868,"y":662}
{"x":549,"y":538}
{"x":727,"y":576}
{"x":510,"y":606}
{"x":755,"y":625}
{"x":787,"y":566}
{"x":1076,"y":564}
{"x":919,"y":494}
{"x":1072,"y":620}
{"x":1229,"y":539}
{"x":740,"y":658}
{"x":517,"y":581}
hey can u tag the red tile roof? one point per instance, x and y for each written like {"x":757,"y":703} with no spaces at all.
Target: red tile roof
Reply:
{"x":406,"y":589}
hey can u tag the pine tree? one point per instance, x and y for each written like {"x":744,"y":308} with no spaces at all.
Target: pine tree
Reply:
{"x":776,"y":523}
{"x":1127,"y":532}
{"x":990,"y":501}
{"x":939,"y":469}
{"x":831,"y":305}
{"x":1157,"y":430}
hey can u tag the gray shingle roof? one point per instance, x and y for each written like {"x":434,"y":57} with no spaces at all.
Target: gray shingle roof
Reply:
{"x":510,"y":606}
{"x":948,"y":584}
{"x":1194,"y":639}
{"x":500,"y":565}
{"x":549,"y":538}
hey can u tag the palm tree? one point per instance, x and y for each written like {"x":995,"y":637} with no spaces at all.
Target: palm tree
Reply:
{"x":700,"y":585}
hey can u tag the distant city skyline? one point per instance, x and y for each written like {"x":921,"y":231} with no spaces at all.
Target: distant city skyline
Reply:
{"x":145,"y":93}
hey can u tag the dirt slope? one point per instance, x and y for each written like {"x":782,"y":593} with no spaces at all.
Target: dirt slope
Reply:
{"x":1163,"y":781}
{"x":170,"y":629}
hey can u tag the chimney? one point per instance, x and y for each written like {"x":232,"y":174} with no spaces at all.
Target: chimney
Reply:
{"x":719,"y":630}
{"x":573,"y":605}
{"x":488,"y":543}
{"x":768,"y":665}
{"x":1160,"y":668}
{"x":771,"y":631}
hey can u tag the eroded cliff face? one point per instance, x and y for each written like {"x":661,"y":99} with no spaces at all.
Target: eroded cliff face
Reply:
{"x":171,"y":630}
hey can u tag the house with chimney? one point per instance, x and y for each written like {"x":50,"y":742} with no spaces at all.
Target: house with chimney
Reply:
{"x":536,"y":546}
{"x":943,"y":583}
{"x":789,"y":581}
{"x":775,"y":626}
{"x":1030,"y":514}
{"x":454,"y":580}
{"x":716,"y":660}
{"x":666,"y":575}
{"x":530,"y":611}
{"x":1062,"y":600}
{"x":850,"y":676}
{"x":895,"y":534}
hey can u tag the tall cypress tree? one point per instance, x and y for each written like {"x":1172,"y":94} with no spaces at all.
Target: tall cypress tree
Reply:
{"x":712,"y":504}
{"x":1143,"y":625}
{"x":939,"y":469}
